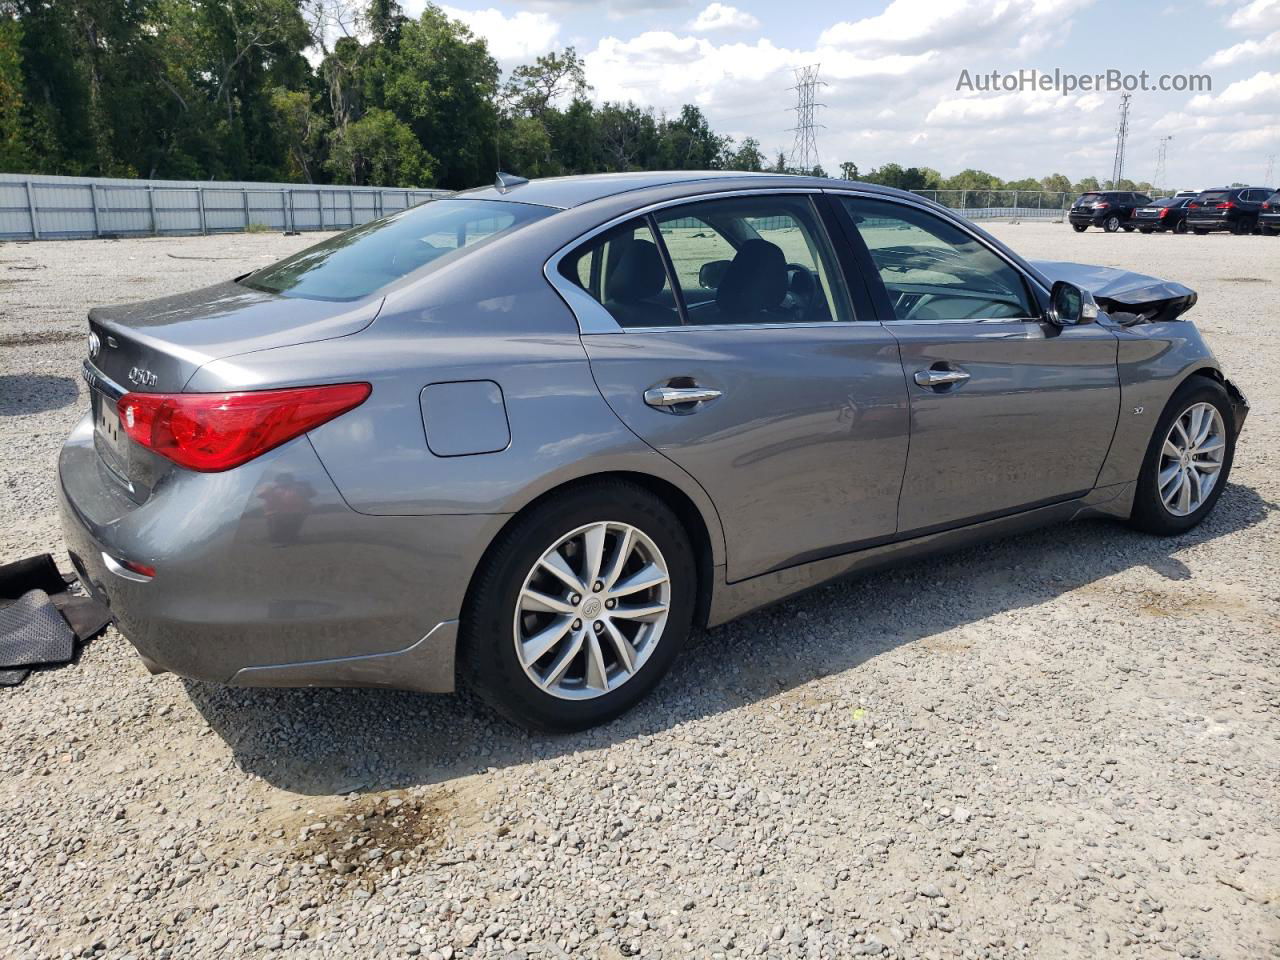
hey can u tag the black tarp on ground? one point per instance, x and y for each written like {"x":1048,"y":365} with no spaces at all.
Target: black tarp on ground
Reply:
{"x":41,"y":619}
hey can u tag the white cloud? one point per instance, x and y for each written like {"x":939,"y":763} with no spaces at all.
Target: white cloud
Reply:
{"x":519,"y":37}
{"x":1248,"y":50}
{"x":1259,"y":13}
{"x":1257,"y":94}
{"x":721,"y":16}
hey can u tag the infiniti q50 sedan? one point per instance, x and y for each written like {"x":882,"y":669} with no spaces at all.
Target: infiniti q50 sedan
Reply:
{"x":529,"y":436}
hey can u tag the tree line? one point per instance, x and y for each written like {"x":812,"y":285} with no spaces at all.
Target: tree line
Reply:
{"x":336,"y":91}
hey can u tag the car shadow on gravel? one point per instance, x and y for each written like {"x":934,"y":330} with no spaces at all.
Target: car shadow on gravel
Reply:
{"x":324,"y":742}
{"x":26,"y":393}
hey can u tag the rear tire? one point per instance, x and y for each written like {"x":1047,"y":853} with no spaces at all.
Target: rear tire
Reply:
{"x":1079,"y":227}
{"x":1242,"y":227}
{"x":1181,"y":227}
{"x":1111,"y":224}
{"x":502,"y":629}
{"x":1145,"y":230}
{"x":1200,"y":233}
{"x":1151,"y":513}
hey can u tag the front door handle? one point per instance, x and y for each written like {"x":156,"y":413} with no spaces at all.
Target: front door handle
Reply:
{"x":667,"y":397}
{"x":940,"y":378}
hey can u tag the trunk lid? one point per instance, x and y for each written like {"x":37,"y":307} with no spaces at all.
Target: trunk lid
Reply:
{"x":158,"y":345}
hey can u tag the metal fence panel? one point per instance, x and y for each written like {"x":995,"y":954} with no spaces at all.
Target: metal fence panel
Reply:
{"x":36,"y":207}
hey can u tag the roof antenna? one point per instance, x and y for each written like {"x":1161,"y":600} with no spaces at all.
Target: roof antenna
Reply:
{"x":508,"y":181}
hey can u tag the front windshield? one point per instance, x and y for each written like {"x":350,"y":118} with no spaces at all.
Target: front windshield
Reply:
{"x":373,"y":255}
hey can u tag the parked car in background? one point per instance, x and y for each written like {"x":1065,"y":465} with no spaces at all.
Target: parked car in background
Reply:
{"x":1109,"y":209}
{"x":534,"y":434}
{"x":1167,"y":213}
{"x":1227,"y":208}
{"x":1186,"y":193}
{"x":1269,"y":215}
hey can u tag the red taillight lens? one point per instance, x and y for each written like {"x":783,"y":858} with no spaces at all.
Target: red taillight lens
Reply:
{"x":1163,"y":212}
{"x":1225,"y":206}
{"x":1101,"y":206}
{"x":1266,"y":205}
{"x":217,"y":431}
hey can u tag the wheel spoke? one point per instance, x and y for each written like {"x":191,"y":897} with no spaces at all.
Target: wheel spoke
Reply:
{"x":1184,"y":494}
{"x":648,"y":611}
{"x":561,"y":663}
{"x":626,"y":653}
{"x":1206,"y":426}
{"x":646,"y":578}
{"x":597,"y":674}
{"x":1206,"y":466}
{"x":621,"y":552}
{"x":593,"y":539}
{"x":536,"y":647}
{"x":1169,"y":474}
{"x":1170,"y":450}
{"x":1197,"y":491}
{"x":1179,"y":426}
{"x":541,"y":602}
{"x":1210,"y":446}
{"x":1169,"y":495}
{"x":555,"y":563}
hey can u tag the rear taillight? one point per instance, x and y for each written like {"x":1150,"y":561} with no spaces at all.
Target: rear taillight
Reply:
{"x":1225,"y":206}
{"x":1163,"y":212}
{"x":1101,"y":206}
{"x":1266,"y":205}
{"x":217,"y":431}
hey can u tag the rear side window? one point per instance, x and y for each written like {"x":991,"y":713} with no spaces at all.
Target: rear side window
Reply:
{"x":759,"y":259}
{"x":934,"y":271}
{"x":365,"y":259}
{"x":623,"y":271}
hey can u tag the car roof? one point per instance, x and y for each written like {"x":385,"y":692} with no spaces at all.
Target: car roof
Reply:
{"x":566,"y":192}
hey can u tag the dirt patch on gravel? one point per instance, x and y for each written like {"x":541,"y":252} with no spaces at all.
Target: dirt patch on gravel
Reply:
{"x":373,"y":834}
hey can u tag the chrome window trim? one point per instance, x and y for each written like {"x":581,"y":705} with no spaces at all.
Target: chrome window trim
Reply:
{"x":965,"y":227}
{"x":591,"y":315}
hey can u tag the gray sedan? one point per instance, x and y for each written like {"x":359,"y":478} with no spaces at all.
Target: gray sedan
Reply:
{"x":531,"y":435}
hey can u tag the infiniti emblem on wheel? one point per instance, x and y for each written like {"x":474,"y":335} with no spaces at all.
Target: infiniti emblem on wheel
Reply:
{"x":592,"y":607}
{"x":94,"y":345}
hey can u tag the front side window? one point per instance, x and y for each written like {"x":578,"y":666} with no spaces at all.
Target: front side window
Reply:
{"x":932,"y":270}
{"x":752,"y":259}
{"x":367,"y":258}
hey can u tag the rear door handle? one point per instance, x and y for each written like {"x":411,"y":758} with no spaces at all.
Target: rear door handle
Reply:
{"x":940,"y":378}
{"x":667,"y":397}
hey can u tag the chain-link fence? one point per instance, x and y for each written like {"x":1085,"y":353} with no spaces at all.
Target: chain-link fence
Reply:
{"x":1003,"y":204}
{"x":40,"y":208}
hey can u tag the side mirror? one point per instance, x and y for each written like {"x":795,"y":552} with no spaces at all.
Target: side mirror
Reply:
{"x":712,"y":273}
{"x":1069,"y":305}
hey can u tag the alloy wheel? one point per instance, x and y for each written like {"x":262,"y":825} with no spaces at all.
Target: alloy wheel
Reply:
{"x":1191,"y":459}
{"x":591,"y":611}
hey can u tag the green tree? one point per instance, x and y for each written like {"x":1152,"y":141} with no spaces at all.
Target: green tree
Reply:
{"x":1056,"y":183}
{"x":303,"y":129}
{"x":15,"y":151}
{"x":379,"y":150}
{"x":534,"y":87}
{"x":746,"y":157}
{"x":443,"y":83}
{"x":848,"y":170}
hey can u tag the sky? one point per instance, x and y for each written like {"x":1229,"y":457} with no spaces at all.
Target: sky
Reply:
{"x":891,"y":72}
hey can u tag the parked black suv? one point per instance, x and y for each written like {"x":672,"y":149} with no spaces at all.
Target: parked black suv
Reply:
{"x":1108,"y":209}
{"x":1227,"y":208}
{"x":1167,"y":213}
{"x":1269,"y":215}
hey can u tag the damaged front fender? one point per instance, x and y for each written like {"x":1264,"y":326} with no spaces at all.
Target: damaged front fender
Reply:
{"x":1129,"y":298}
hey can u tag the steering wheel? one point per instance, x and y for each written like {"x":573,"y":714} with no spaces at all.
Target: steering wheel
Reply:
{"x":802,"y":289}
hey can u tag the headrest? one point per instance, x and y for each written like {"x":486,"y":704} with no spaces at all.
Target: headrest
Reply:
{"x":756,"y":279}
{"x":635,"y":270}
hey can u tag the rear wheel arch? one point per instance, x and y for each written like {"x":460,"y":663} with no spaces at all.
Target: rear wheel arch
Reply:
{"x":696,"y":525}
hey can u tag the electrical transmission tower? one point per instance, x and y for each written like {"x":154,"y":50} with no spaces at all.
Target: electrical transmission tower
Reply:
{"x":1162,"y":156}
{"x":1122,"y":134}
{"x":804,"y":151}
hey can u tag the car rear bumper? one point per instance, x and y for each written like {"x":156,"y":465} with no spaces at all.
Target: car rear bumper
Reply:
{"x":265,"y":577}
{"x":1089,"y":219}
{"x":1210,"y":223}
{"x":1271,"y":221}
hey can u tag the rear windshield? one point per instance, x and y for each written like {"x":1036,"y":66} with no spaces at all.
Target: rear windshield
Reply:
{"x":1214,"y":195}
{"x":1090,"y":197}
{"x":1167,"y":202}
{"x":367,"y":258}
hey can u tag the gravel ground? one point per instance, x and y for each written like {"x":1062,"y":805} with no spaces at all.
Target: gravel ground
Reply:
{"x":1063,"y":745}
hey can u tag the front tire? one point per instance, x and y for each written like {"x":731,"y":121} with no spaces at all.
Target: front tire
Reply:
{"x":1188,"y":460}
{"x":580,"y":607}
{"x":1111,"y":224}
